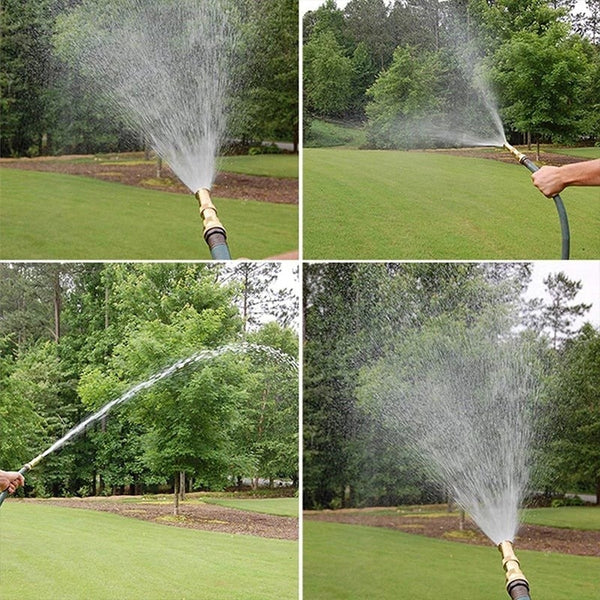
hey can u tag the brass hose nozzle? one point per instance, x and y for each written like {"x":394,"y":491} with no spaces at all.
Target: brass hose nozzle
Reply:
{"x":518,"y":155}
{"x":208,"y":211}
{"x":517,"y":585}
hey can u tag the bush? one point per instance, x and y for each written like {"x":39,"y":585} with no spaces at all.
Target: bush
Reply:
{"x":567,"y":501}
{"x":270,"y":149}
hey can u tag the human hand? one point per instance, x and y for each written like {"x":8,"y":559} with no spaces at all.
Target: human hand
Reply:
{"x":549,"y":181}
{"x":10,"y":481}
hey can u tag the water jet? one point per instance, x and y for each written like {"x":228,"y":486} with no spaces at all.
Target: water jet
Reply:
{"x":243,"y":347}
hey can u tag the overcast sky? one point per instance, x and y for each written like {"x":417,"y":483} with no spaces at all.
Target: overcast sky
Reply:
{"x":306,"y":5}
{"x":586,"y":271}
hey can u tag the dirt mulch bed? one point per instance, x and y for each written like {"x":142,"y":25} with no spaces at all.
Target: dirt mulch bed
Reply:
{"x":531,"y":537}
{"x":209,"y":517}
{"x":546,"y":158}
{"x":227,"y":185}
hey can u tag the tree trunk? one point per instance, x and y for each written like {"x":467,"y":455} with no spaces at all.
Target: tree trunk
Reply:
{"x":182,"y":485}
{"x":537,"y":149}
{"x":57,"y":304}
{"x":529,"y":140}
{"x":176,"y":496}
{"x":461,"y":523}
{"x":158,"y":167}
{"x":598,"y":491}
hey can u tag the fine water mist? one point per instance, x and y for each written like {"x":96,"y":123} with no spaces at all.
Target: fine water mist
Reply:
{"x":469,"y":114}
{"x":168,"y":70}
{"x":466,"y":406}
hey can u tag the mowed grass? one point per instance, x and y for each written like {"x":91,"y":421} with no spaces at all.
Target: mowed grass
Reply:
{"x":327,"y":133}
{"x":375,"y":204}
{"x":60,"y":553}
{"x":267,"y":165}
{"x":55,"y":216}
{"x":570,"y":517}
{"x":349,"y":562}
{"x":590,"y":152}
{"x":284,"y":507}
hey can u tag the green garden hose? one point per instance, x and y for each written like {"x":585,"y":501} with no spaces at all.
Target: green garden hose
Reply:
{"x":560,"y":207}
{"x":214,"y":232}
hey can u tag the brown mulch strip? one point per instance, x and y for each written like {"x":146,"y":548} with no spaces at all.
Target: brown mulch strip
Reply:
{"x":227,"y":185}
{"x":208,"y":517}
{"x":546,"y":158}
{"x":531,"y":537}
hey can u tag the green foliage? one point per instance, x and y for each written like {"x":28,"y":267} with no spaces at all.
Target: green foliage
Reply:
{"x":328,"y":75}
{"x":567,"y":501}
{"x":543,"y":81}
{"x":270,"y":149}
{"x":404,"y":97}
{"x":574,"y":414}
{"x":267,"y":106}
{"x":123,"y":323}
{"x":355,"y":316}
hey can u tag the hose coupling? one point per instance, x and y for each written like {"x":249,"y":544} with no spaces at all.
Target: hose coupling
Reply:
{"x":516,"y":584}
{"x":208,"y":211}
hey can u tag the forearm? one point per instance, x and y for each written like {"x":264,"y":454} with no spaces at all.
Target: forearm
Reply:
{"x":553,"y":180}
{"x":581,"y":173}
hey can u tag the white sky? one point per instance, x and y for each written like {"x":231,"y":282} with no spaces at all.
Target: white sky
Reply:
{"x":306,"y":5}
{"x":586,"y":271}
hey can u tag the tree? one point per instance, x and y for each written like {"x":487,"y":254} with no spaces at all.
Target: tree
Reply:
{"x":269,"y":106}
{"x":574,"y":399}
{"x":367,"y":21}
{"x":355,"y":316}
{"x":257,"y":297}
{"x":543,"y":80}
{"x":559,"y":314}
{"x":404,"y":98}
{"x":327,"y":75}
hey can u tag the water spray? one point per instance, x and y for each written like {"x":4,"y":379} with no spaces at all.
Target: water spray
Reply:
{"x":560,"y":207}
{"x":516,"y":584}
{"x":206,"y":354}
{"x":214,"y":232}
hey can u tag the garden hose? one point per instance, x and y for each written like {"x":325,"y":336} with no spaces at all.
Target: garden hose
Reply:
{"x":214,"y":232}
{"x":516,"y":584}
{"x":22,"y":470}
{"x":560,"y":207}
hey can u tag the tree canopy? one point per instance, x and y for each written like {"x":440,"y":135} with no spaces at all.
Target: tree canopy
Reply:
{"x":233,"y":414}
{"x":436,"y":67}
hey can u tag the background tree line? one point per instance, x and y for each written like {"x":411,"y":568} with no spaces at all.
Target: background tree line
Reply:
{"x":75,"y":336}
{"x":358,"y":318}
{"x":397,"y":65}
{"x":47,"y":108}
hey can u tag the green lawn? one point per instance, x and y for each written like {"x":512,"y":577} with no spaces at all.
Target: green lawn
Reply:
{"x":285,"y":507}
{"x":325,"y":134}
{"x":591,"y":152}
{"x":571,"y":517}
{"x":269,"y":165}
{"x":375,"y":204}
{"x":72,"y":554}
{"x":351,"y":562}
{"x":54,"y":216}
